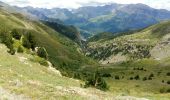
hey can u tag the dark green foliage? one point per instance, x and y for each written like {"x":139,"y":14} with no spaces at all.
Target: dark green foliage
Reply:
{"x":117,"y":77}
{"x":77,"y":76}
{"x":16,"y":34}
{"x":20,"y":49}
{"x":163,"y":81}
{"x":131,"y":78}
{"x":69,"y":31}
{"x":149,"y":78}
{"x":44,"y":62}
{"x":106,"y":75}
{"x":137,"y":77}
{"x":168,"y":91}
{"x":6,"y":38}
{"x":42,"y":53}
{"x":96,"y":81}
{"x":144,"y":78}
{"x":164,"y":90}
{"x":134,"y":51}
{"x":26,"y":43}
{"x":168,"y":74}
{"x":168,"y":82}
{"x":30,"y":38}
{"x":151,"y":75}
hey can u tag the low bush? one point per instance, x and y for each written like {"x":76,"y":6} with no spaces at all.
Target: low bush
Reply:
{"x":42,"y":53}
{"x":164,"y":90}
{"x":151,"y":75}
{"x":96,"y":81}
{"x":168,"y":74}
{"x":131,"y":78}
{"x":106,"y":75}
{"x":16,"y":34}
{"x":117,"y":77}
{"x":20,"y":49}
{"x":144,"y":78}
{"x":168,"y":82}
{"x":44,"y":62}
{"x":137,"y":77}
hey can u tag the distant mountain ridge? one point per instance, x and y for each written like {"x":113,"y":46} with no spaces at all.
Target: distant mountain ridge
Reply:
{"x":108,"y":18}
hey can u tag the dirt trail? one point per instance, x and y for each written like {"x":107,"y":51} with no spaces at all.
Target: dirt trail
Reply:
{"x":94,"y":94}
{"x":6,"y":95}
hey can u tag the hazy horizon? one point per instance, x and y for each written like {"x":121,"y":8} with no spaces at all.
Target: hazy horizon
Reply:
{"x":158,"y":4}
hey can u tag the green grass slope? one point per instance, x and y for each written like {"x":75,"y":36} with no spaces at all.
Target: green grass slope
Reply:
{"x":23,"y":79}
{"x":136,"y":63}
{"x":63,"y":53}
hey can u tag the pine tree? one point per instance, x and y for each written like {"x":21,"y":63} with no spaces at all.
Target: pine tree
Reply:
{"x":26,"y":43}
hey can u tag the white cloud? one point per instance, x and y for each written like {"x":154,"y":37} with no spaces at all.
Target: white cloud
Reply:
{"x":160,"y":4}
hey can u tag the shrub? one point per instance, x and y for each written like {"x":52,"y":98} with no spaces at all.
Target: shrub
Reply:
{"x":43,"y":62}
{"x":168,"y":74}
{"x":168,"y":91}
{"x":29,"y":41}
{"x":149,"y":78}
{"x":96,"y":81}
{"x":131,"y":78}
{"x":20,"y":49}
{"x":162,"y":90}
{"x":137,"y":77}
{"x":117,"y":77}
{"x":151,"y":75}
{"x":77,"y":76}
{"x":7,"y":39}
{"x":145,"y":78}
{"x":168,"y":82}
{"x":42,"y":53}
{"x":106,"y":75}
{"x":26,"y":43}
{"x":15,"y":34}
{"x":163,"y":81}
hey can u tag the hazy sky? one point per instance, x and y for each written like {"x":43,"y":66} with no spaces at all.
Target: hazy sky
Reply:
{"x":160,"y":4}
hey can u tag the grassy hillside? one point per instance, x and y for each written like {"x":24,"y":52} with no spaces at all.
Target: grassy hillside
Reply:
{"x":135,"y":63}
{"x":135,"y":45}
{"x":23,"y":79}
{"x":63,"y":52}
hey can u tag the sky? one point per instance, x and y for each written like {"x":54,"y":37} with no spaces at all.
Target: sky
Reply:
{"x":159,"y":4}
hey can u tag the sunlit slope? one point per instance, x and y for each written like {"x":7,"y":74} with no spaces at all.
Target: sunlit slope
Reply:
{"x":23,"y":79}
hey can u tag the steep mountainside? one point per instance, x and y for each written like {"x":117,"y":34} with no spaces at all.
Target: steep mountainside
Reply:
{"x":108,"y":18}
{"x":63,"y":52}
{"x":151,"y":42}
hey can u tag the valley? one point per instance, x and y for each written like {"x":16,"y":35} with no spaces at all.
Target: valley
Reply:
{"x":61,"y":54}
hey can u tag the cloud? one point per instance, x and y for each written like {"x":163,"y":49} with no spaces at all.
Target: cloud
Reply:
{"x":160,"y":4}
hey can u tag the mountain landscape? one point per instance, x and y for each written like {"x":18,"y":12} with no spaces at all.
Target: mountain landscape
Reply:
{"x":106,"y":52}
{"x":108,"y":18}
